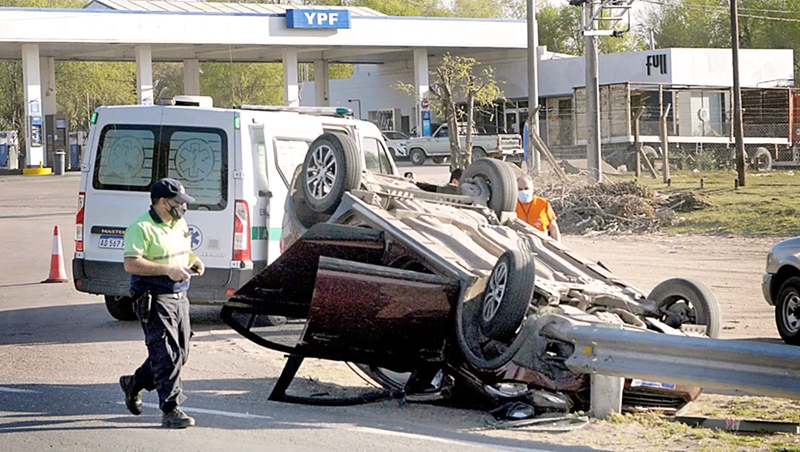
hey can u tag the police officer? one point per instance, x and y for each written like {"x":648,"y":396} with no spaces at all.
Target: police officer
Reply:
{"x":159,"y":258}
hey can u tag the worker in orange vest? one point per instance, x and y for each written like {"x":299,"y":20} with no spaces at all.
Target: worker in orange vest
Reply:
{"x":535,"y":210}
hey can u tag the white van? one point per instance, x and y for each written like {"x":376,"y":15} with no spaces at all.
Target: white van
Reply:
{"x":237,"y":164}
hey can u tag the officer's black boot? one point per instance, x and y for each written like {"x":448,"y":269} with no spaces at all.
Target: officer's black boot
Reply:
{"x":176,"y":418}
{"x":133,"y":394}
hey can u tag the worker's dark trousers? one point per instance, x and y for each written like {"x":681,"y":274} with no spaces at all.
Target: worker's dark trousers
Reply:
{"x":167,"y":336}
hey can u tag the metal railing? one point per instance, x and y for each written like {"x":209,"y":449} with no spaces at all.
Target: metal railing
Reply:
{"x":753,"y":367}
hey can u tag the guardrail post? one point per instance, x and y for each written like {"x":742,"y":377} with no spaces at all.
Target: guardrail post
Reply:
{"x":606,"y":395}
{"x":606,"y":390}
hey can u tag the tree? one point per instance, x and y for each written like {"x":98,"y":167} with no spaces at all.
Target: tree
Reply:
{"x":460,"y":79}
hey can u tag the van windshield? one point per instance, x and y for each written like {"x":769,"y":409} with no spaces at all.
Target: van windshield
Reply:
{"x":131,"y":157}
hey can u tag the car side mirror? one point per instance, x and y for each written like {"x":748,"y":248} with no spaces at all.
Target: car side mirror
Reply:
{"x":409,"y":175}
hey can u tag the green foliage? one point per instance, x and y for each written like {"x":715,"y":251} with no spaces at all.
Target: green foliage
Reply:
{"x":82,"y":87}
{"x":560,"y":31}
{"x":233,"y":84}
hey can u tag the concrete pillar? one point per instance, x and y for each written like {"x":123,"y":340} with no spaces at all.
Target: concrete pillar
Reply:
{"x":606,"y":395}
{"x":47,"y":68}
{"x":322,"y":89}
{"x":291,"y":93}
{"x":191,"y":77}
{"x":31,"y":81}
{"x":422,"y":86}
{"x":144,"y":75}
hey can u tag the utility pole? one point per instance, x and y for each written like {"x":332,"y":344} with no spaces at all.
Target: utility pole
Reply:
{"x":533,"y":89}
{"x":738,"y":128}
{"x":593,"y":157}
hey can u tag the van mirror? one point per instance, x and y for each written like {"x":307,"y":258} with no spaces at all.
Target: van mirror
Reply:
{"x":409,"y":175}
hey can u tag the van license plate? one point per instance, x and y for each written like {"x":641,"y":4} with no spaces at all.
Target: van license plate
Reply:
{"x":113,"y":242}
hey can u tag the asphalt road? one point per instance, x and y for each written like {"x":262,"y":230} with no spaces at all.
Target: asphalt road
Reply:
{"x":61,"y":355}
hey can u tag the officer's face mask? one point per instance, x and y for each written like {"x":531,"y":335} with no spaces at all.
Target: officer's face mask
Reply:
{"x":525,"y":196}
{"x":176,"y":211}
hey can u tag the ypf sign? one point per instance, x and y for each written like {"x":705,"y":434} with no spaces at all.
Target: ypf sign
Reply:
{"x":317,"y":18}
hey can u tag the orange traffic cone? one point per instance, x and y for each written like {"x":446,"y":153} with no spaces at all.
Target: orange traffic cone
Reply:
{"x":57,"y":271}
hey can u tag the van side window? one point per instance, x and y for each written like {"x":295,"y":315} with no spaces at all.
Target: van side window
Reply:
{"x":289,"y":153}
{"x":375,"y":156}
{"x":197,"y":157}
{"x":125,"y":158}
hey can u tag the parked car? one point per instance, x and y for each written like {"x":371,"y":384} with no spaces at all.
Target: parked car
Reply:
{"x":437,"y":146}
{"x":781,"y":287}
{"x":447,"y":292}
{"x":237,"y":164}
{"x":396,"y":141}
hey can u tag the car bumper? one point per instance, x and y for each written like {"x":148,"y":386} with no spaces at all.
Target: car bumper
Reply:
{"x":109,"y":278}
{"x":766,"y":288}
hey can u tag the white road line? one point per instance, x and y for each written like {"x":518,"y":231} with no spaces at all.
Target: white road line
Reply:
{"x":21,"y":391}
{"x":442,"y":440}
{"x":214,"y":412}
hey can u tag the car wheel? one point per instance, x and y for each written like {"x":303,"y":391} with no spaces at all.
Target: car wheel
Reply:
{"x":478,"y":153}
{"x":417,"y":156}
{"x":498,"y":177}
{"x":332,"y":166}
{"x":787,"y":311}
{"x":439,"y":160}
{"x":508,"y":294}
{"x":762,"y":160}
{"x":686,"y":301}
{"x":121,"y":308}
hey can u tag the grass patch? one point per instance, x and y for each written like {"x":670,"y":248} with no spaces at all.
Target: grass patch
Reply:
{"x":768,"y":204}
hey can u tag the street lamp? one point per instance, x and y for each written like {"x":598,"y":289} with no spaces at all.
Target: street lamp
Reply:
{"x":359,"y":105}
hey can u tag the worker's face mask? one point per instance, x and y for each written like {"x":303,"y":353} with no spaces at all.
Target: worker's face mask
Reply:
{"x":176,"y":211}
{"x":525,"y":196}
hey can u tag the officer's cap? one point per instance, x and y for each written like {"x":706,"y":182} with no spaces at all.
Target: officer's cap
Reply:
{"x":171,"y":189}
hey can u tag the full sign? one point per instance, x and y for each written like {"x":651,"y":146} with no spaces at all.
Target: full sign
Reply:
{"x":317,"y":18}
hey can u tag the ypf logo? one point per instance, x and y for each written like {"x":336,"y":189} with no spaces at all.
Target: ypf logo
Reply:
{"x":196,"y":236}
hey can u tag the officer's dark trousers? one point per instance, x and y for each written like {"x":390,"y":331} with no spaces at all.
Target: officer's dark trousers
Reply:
{"x":167,"y":336}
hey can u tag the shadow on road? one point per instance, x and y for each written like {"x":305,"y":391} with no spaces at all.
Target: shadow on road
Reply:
{"x":241,"y":404}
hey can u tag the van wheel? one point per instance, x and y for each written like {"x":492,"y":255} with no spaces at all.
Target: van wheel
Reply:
{"x":497,"y":177}
{"x":332,"y":166}
{"x":121,"y":308}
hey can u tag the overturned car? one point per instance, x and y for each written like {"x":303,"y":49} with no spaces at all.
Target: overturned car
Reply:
{"x":443,"y":293}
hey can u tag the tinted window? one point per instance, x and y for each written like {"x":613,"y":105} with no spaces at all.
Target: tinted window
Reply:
{"x":375,"y":156}
{"x":395,"y":135}
{"x":195,"y":157}
{"x":132,"y":157}
{"x":125,"y":158}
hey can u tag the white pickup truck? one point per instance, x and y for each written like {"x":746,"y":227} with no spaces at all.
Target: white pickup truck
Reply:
{"x":437,"y":147}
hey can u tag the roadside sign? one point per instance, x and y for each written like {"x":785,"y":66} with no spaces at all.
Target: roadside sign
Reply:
{"x":425,"y":104}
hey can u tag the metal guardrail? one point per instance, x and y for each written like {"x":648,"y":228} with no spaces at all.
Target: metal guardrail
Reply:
{"x":754,"y":367}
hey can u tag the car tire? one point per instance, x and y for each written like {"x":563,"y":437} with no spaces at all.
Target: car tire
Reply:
{"x":762,"y":159}
{"x":332,"y":166}
{"x":787,"y":311}
{"x":500,"y":179}
{"x":691,"y":300}
{"x":121,"y":308}
{"x":439,"y":160}
{"x":478,"y":153}
{"x":417,"y":156}
{"x":508,"y":294}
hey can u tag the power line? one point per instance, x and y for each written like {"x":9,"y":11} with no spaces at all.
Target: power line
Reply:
{"x":724,"y":10}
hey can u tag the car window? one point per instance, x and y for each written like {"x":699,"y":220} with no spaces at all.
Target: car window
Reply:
{"x":442,"y":133}
{"x":198,"y":158}
{"x":289,"y":153}
{"x":375,"y":156}
{"x":395,"y":136}
{"x":125,"y":158}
